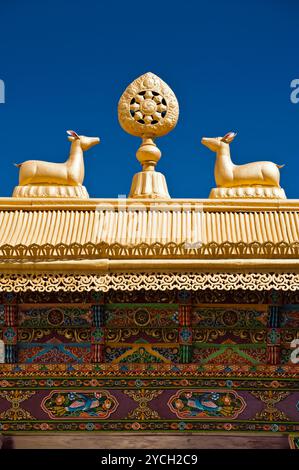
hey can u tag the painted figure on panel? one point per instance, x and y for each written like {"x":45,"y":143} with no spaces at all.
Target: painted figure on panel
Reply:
{"x":62,"y":404}
{"x":206,"y":404}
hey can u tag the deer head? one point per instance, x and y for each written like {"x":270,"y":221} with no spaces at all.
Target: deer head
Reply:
{"x":85,"y":142}
{"x":216,"y":143}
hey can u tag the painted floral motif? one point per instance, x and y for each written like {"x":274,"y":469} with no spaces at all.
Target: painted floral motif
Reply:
{"x":77,"y":404}
{"x":206,"y":404}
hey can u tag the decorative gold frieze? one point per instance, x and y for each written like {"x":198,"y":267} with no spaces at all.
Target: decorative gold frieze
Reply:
{"x":157,"y":250}
{"x":55,"y":282}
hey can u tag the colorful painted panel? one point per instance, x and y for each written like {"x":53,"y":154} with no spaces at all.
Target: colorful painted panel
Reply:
{"x":211,"y":335}
{"x":142,"y":335}
{"x":206,"y":404}
{"x":161,"y":364}
{"x":230,"y":335}
{"x":141,"y":353}
{"x":55,"y":316}
{"x":80,"y":405}
{"x":54,"y":353}
{"x":140,"y":315}
{"x":229,"y":317}
{"x":159,"y":398}
{"x":229,"y":354}
{"x":66,"y":335}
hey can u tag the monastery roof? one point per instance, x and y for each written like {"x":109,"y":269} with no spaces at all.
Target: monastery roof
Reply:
{"x":53,"y":230}
{"x":247,"y":226}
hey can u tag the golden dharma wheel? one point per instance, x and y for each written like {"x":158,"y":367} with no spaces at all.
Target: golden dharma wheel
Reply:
{"x":148,"y":107}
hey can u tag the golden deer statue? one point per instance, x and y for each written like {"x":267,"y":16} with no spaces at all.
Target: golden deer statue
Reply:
{"x":47,"y":179}
{"x":229,"y":175}
{"x":70,"y":172}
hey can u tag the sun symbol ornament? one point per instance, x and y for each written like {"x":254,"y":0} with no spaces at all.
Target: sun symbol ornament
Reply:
{"x":148,"y":109}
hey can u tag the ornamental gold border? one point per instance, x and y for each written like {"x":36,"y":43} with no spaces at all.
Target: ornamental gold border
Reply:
{"x":54,"y":282}
{"x":157,"y":250}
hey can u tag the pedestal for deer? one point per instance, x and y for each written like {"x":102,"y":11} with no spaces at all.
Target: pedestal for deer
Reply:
{"x":253,"y":180}
{"x":47,"y":179}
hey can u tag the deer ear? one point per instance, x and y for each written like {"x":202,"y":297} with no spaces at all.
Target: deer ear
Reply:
{"x":73,"y":134}
{"x":229,"y":137}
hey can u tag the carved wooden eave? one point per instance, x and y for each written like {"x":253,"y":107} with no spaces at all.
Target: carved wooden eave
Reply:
{"x":102,"y":244}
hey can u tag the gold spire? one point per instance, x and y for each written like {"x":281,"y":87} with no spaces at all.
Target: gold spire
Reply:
{"x":148,"y":109}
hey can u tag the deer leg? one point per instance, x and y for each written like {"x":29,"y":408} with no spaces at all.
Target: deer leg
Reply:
{"x":27,"y":173}
{"x":271,"y":176}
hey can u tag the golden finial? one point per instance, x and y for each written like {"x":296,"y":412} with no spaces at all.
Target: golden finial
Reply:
{"x":148,"y":109}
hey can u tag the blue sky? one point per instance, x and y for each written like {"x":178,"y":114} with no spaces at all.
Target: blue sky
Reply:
{"x":66,"y":63}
